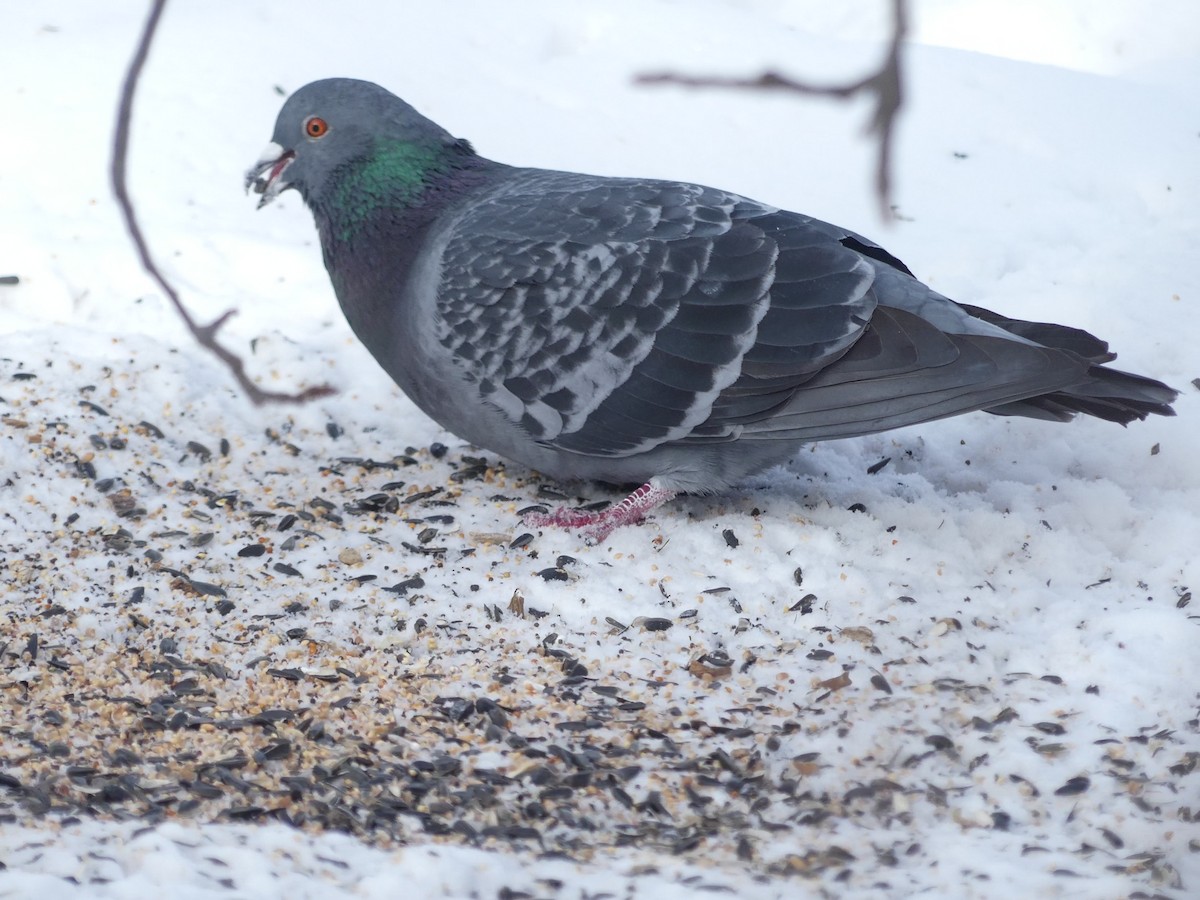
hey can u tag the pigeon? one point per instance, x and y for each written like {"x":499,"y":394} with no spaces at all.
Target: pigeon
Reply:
{"x":637,"y":331}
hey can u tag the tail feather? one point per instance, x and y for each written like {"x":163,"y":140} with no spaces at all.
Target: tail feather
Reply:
{"x":1060,"y":337}
{"x":1105,"y":393}
{"x":1108,"y":394}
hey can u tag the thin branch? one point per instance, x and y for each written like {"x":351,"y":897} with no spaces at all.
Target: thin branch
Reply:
{"x":205,"y":335}
{"x":884,"y":85}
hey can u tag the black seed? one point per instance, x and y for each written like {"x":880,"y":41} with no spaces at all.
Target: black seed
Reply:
{"x":243,"y":814}
{"x":407,"y":585}
{"x":553,"y":574}
{"x":225,"y":607}
{"x":656,"y":624}
{"x":285,"y":569}
{"x":98,"y":410}
{"x":209,"y":590}
{"x":1076,"y":785}
{"x":224,"y":446}
{"x":730,"y":538}
{"x":277,"y":750}
{"x":428,"y":551}
{"x":804,"y":605}
{"x":333,"y":429}
{"x":286,"y":522}
{"x":422,"y":495}
{"x":124,"y":757}
{"x":856,"y":508}
{"x":878,"y":467}
{"x":200,"y":450}
{"x":381,"y":502}
{"x":521,"y":540}
{"x":470,"y":473}
{"x":574,"y":669}
{"x":437,"y":450}
{"x":798,"y":576}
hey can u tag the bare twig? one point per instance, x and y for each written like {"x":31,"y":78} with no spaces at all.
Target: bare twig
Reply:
{"x":205,"y":335}
{"x":884,"y":85}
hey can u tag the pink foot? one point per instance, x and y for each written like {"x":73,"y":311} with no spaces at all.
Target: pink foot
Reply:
{"x":596,"y":526}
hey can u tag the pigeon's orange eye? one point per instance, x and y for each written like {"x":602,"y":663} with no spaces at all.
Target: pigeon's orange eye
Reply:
{"x":315,"y":126}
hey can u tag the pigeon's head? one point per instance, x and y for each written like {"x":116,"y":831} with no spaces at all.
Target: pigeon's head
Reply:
{"x":329,"y":124}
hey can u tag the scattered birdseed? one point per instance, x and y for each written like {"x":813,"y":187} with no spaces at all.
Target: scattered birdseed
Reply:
{"x":876,"y":468}
{"x":137,"y":689}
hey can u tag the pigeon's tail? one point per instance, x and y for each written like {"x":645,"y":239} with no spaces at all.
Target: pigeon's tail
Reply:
{"x":1108,"y":394}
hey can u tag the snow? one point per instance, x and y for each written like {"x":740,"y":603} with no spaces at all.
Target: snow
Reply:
{"x":1021,"y":588}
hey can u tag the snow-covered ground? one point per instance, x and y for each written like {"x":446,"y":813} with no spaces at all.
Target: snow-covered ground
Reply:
{"x":312,"y":652}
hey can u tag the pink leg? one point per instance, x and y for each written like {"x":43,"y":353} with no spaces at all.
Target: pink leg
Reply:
{"x":596,"y":526}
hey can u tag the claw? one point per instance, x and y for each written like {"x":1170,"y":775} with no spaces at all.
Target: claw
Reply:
{"x":595,"y":527}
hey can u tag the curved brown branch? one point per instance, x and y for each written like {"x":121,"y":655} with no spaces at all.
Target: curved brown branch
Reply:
{"x":205,"y":335}
{"x":884,"y":85}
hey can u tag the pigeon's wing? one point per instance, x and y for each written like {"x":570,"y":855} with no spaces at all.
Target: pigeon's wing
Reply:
{"x":607,"y":316}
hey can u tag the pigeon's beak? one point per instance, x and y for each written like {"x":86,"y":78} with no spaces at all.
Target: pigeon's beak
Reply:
{"x":266,"y":175}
